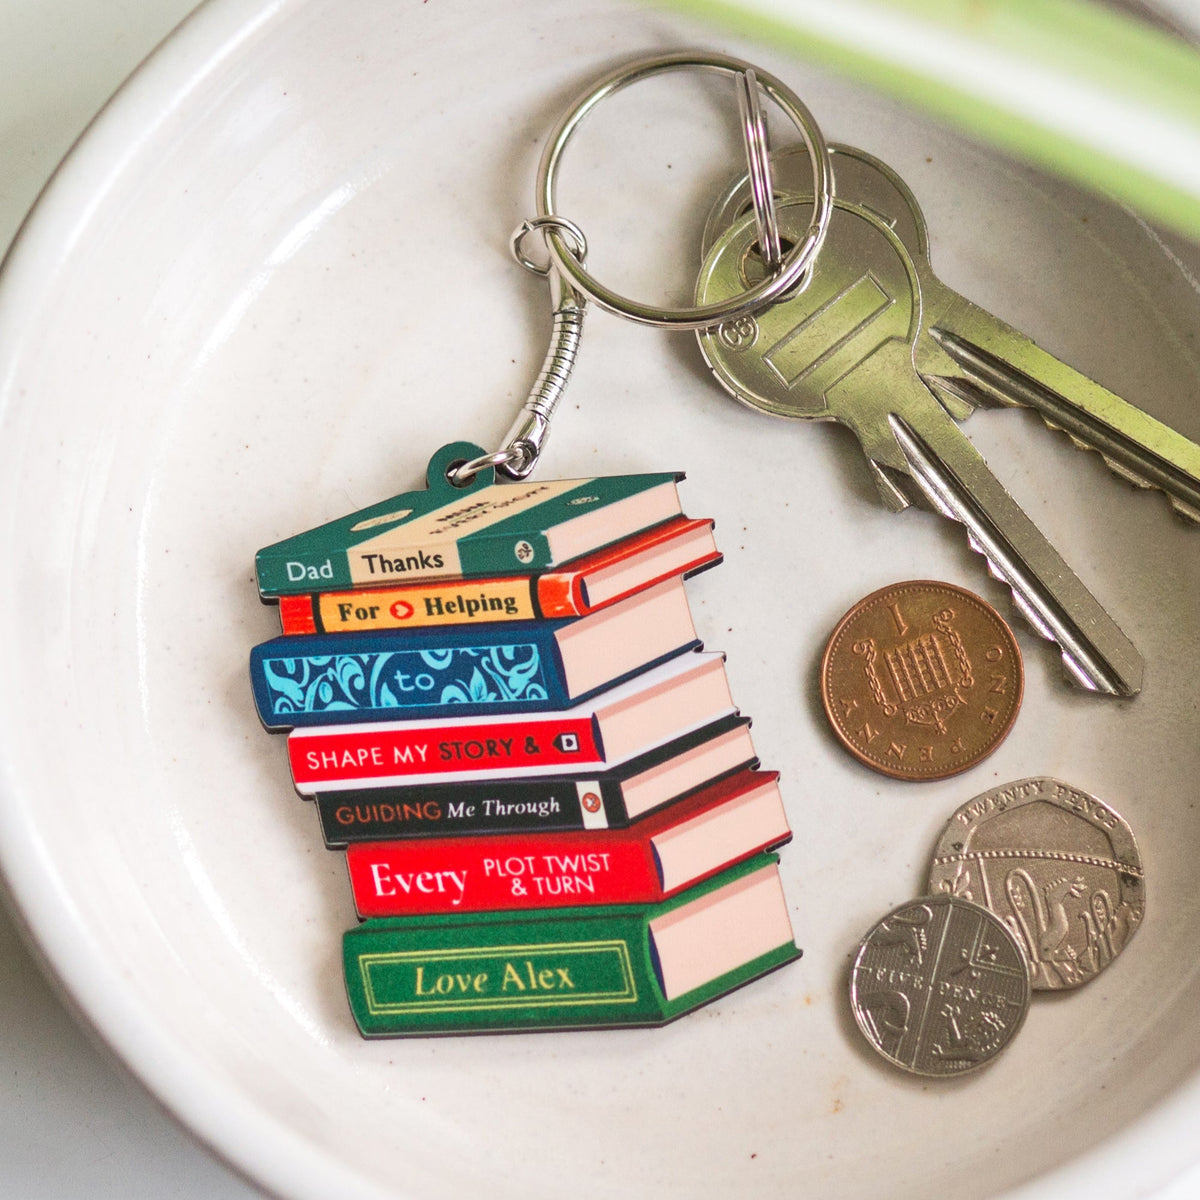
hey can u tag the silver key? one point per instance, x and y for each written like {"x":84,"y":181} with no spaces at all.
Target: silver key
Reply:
{"x":972,"y":359}
{"x":841,"y":349}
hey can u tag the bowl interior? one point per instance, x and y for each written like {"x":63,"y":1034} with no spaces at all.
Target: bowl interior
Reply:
{"x":269,"y":284}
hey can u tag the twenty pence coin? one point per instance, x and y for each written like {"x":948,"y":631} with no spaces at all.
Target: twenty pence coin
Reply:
{"x":921,"y":680}
{"x":1057,"y":866}
{"x":939,"y":986}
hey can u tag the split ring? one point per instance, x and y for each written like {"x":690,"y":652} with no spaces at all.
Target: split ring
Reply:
{"x":758,"y":161}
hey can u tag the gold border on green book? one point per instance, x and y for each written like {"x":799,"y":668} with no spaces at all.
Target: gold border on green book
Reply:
{"x":628,"y":995}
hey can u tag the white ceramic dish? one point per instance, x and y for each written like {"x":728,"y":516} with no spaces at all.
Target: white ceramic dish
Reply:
{"x":267,"y":284}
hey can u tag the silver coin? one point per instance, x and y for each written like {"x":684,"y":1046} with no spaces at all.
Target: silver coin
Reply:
{"x":1057,"y":866}
{"x":939,"y":986}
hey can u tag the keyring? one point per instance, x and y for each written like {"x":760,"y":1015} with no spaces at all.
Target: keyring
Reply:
{"x":792,"y":265}
{"x":758,"y":161}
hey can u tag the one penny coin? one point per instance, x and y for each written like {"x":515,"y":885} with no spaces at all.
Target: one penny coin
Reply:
{"x":921,"y":680}
{"x":1060,"y":868}
{"x":939,"y":986}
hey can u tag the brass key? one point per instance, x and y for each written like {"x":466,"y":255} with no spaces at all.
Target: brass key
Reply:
{"x":843,"y":349}
{"x":972,"y":359}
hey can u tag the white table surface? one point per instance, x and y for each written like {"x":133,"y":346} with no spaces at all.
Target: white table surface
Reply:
{"x":73,"y":1123}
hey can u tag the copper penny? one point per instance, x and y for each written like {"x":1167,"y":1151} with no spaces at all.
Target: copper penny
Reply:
{"x":921,"y":680}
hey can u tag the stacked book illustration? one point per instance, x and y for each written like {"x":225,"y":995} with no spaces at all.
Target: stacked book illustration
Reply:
{"x":550,"y":806}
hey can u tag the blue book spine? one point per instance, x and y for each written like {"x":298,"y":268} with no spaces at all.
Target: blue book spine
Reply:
{"x":329,"y":679}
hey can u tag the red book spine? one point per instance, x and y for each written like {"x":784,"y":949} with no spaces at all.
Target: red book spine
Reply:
{"x":491,"y":874}
{"x":560,"y":592}
{"x":296,"y":614}
{"x":387,"y":752}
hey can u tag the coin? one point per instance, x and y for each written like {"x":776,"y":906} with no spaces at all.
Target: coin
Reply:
{"x":921,"y":680}
{"x":1057,"y":866}
{"x":939,"y":986}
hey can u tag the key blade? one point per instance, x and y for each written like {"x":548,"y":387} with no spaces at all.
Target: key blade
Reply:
{"x":957,"y":482}
{"x":1137,"y":447}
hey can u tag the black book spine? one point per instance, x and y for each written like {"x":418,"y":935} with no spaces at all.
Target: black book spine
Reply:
{"x":457,"y":809}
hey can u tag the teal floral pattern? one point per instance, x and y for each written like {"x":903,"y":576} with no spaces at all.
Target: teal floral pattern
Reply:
{"x":367,"y":683}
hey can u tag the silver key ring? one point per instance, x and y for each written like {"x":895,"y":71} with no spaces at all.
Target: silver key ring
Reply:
{"x":758,"y":160}
{"x":792,"y":265}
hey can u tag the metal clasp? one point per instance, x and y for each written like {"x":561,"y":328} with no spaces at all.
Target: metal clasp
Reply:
{"x":527,"y":435}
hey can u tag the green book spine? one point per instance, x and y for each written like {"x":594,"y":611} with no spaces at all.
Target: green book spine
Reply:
{"x":448,"y":532}
{"x":565,"y":969}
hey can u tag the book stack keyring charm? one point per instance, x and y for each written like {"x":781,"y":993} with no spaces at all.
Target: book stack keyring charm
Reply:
{"x":495,"y":694}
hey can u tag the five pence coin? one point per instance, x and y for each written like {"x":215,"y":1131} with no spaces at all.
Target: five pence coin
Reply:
{"x":939,"y":986}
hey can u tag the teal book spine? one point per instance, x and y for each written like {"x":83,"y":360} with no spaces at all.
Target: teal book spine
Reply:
{"x":572,"y":968}
{"x":484,"y":528}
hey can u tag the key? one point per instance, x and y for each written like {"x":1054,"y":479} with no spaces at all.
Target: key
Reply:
{"x":841,"y":349}
{"x":972,"y":359}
